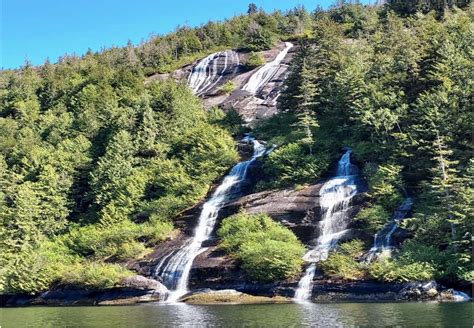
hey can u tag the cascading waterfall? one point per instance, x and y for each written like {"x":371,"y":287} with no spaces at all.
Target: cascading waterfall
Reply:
{"x":175,"y":269}
{"x":206,"y":74}
{"x":265,"y":73}
{"x":335,"y":196}
{"x":382,"y":239}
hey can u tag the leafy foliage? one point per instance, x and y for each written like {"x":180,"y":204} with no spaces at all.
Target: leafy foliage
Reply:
{"x":100,"y":165}
{"x":268,"y":251}
{"x":254,"y":60}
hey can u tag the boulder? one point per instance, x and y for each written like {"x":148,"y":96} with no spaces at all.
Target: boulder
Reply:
{"x":142,"y":283}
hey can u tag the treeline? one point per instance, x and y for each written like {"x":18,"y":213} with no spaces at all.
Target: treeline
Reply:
{"x":399,"y":92}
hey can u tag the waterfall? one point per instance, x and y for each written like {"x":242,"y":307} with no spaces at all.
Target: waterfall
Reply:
{"x":335,"y":196}
{"x":207,"y":73}
{"x":460,"y":296}
{"x":382,"y":239}
{"x":265,"y":73}
{"x":176,"y":267}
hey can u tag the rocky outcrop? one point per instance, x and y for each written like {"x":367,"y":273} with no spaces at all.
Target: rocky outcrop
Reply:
{"x":213,"y":71}
{"x":134,"y":289}
{"x":254,"y":107}
{"x":230,"y":296}
{"x":298,"y":209}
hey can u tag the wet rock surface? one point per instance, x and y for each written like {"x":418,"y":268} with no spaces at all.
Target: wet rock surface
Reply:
{"x":231,"y":67}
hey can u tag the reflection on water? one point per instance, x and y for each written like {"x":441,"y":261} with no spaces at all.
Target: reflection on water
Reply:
{"x":270,"y":315}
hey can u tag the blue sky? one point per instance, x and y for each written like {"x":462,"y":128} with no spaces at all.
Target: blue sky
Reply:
{"x":40,"y":29}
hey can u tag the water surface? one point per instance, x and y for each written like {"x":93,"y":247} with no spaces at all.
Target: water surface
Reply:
{"x":271,"y":315}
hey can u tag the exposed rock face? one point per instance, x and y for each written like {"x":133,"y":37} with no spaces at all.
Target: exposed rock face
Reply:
{"x":299,"y":209}
{"x":207,"y":75}
{"x":254,"y":107}
{"x":135,"y":289}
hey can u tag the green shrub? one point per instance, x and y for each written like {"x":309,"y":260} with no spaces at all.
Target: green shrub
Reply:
{"x":271,"y":260}
{"x":130,"y":250}
{"x":268,"y":251}
{"x":373,"y":218}
{"x":354,"y":248}
{"x":447,"y":263}
{"x":229,"y":120}
{"x":385,"y":185}
{"x":227,"y":87}
{"x":101,"y":242}
{"x":157,"y":231}
{"x":343,"y":266}
{"x":119,"y":241}
{"x":292,"y":164}
{"x":344,"y":263}
{"x":35,"y":269}
{"x":94,"y":275}
{"x":254,"y":60}
{"x":391,"y":270}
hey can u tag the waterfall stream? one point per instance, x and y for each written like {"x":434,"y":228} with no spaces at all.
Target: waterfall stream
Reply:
{"x":265,"y":73}
{"x":382,"y":239}
{"x":335,"y":196}
{"x":207,"y":73}
{"x":175,"y":268}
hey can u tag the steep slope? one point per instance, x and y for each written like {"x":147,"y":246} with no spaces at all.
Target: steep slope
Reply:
{"x":256,"y":91}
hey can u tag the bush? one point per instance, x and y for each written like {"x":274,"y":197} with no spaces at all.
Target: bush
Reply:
{"x":95,"y":275}
{"x":447,"y":263}
{"x":343,"y":266}
{"x":119,"y":241}
{"x":157,"y":231}
{"x":227,"y":87}
{"x":271,"y":260}
{"x":392,"y":270}
{"x":35,"y":269}
{"x":292,"y":164}
{"x":344,"y":263}
{"x":354,"y":248}
{"x":229,"y":120}
{"x":254,"y":60}
{"x":268,"y":251}
{"x":373,"y":218}
{"x":385,"y":184}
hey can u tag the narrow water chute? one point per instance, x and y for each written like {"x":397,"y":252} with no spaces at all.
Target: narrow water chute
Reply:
{"x":335,"y":197}
{"x":175,"y":269}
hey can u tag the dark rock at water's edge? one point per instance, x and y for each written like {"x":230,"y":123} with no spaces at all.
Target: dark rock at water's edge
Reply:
{"x":135,"y":289}
{"x":370,"y":291}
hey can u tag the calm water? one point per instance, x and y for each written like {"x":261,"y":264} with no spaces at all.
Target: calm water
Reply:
{"x":274,"y":315}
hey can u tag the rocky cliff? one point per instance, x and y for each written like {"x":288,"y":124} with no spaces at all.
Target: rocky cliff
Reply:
{"x":207,"y":75}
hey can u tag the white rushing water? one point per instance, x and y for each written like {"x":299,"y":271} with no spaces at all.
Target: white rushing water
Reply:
{"x":335,"y":196}
{"x":383,"y":238}
{"x":175,"y":268}
{"x":265,"y":73}
{"x":207,"y":73}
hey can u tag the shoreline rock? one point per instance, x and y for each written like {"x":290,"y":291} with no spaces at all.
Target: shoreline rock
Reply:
{"x":134,"y":289}
{"x":231,"y":296}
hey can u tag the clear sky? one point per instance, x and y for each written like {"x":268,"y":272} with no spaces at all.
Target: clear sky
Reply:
{"x":40,"y":29}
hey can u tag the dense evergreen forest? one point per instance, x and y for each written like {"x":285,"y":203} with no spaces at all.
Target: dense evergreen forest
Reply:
{"x":95,"y":162}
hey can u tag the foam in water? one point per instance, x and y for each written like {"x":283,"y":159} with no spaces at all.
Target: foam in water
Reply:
{"x":205,"y":75}
{"x":460,"y":296}
{"x":335,"y":196}
{"x":175,"y":268}
{"x":265,"y":73}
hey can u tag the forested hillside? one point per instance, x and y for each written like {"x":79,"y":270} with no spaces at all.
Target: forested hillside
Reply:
{"x":95,"y":163}
{"x":398,"y":91}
